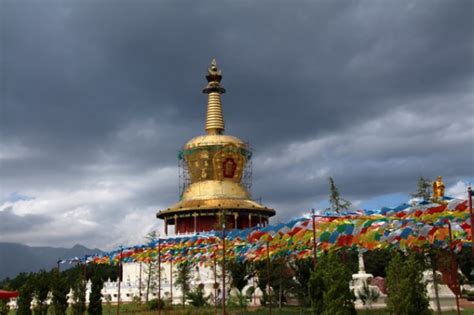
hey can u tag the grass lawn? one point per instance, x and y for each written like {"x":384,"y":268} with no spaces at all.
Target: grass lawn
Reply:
{"x":178,"y":310}
{"x":129,"y":309}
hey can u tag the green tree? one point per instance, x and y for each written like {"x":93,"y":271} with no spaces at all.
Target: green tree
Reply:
{"x":183,"y":278}
{"x":338,"y":297}
{"x":42,"y":287}
{"x":239,"y":273}
{"x":4,"y":308}
{"x":263,"y":275}
{"x":59,"y":289}
{"x":376,"y":262}
{"x":26,"y":296}
{"x":329,"y":287}
{"x":317,"y":286}
{"x":302,"y":269}
{"x":465,"y":262}
{"x":277,"y":275}
{"x":197,"y":297}
{"x":151,"y":266}
{"x":406,"y":290}
{"x":337,"y":203}
{"x":423,"y":190}
{"x":78,"y":305}
{"x":95,"y":297}
{"x":17,"y":282}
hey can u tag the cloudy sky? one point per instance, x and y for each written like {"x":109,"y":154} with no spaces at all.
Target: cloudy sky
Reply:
{"x":97,"y":97}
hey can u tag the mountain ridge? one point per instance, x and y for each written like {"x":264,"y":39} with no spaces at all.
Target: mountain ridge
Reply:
{"x":16,"y":258}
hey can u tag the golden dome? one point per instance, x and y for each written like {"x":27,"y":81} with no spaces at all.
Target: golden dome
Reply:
{"x":207,"y":140}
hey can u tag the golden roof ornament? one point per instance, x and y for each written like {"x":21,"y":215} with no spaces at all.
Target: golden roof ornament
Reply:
{"x":214,"y":116}
{"x":438,"y":188}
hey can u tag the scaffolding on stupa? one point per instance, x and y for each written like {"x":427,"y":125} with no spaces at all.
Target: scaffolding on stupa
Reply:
{"x":184,"y":179}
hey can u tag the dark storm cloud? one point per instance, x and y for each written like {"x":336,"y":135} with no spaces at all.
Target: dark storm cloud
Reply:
{"x":10,"y":222}
{"x":100,"y":96}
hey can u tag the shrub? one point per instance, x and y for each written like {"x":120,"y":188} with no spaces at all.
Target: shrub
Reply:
{"x":196,"y":297}
{"x":4,"y":308}
{"x":368,"y":295}
{"x":155,"y":304}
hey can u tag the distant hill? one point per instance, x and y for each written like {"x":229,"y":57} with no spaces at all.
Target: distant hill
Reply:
{"x":16,"y":258}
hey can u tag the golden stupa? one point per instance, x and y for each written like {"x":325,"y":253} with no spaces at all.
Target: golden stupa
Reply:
{"x":215,"y":165}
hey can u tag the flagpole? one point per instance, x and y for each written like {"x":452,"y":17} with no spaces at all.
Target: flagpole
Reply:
{"x":159,"y":276}
{"x":315,"y":258}
{"x":223,"y":266}
{"x":119,"y":279}
{"x":140,"y":282}
{"x":215,"y":283}
{"x":171,"y":283}
{"x":469,"y":194}
{"x":454,"y":272}
{"x":268,"y":278}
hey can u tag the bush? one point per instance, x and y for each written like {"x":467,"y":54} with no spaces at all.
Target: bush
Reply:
{"x":4,"y":308}
{"x":470,"y":295}
{"x":155,"y":304}
{"x":239,"y":300}
{"x":196,"y":297}
{"x":368,"y":295}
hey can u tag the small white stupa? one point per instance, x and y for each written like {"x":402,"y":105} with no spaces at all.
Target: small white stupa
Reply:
{"x":361,"y":284}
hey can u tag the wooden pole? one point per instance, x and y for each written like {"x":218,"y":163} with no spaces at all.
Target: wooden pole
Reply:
{"x":171,"y":282}
{"x":469,"y":194}
{"x":435,"y":280}
{"x":453,"y":264}
{"x":315,"y":257}
{"x":215,"y":283}
{"x":268,"y":279}
{"x":159,"y":276}
{"x":140,"y":282}
{"x":119,"y":279}
{"x":223,"y":266}
{"x":254,"y":287}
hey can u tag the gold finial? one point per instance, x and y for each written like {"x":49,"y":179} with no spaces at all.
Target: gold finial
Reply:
{"x":214,"y":117}
{"x":214,"y":77}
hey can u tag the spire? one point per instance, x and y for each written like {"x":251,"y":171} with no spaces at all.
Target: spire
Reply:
{"x":214,"y":117}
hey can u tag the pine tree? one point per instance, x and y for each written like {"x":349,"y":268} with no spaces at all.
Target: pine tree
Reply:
{"x":338,"y":297}
{"x":406,"y":290}
{"x":42,"y":284}
{"x":149,"y":271}
{"x":424,"y":189}
{"x":239,"y":273}
{"x":317,"y":288}
{"x":26,"y":296}
{"x":277,"y":275}
{"x":183,"y":278}
{"x":302,"y":269}
{"x":337,"y":203}
{"x":78,"y":306}
{"x":59,"y":289}
{"x":4,"y":308}
{"x":95,"y":297}
{"x":329,"y":287}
